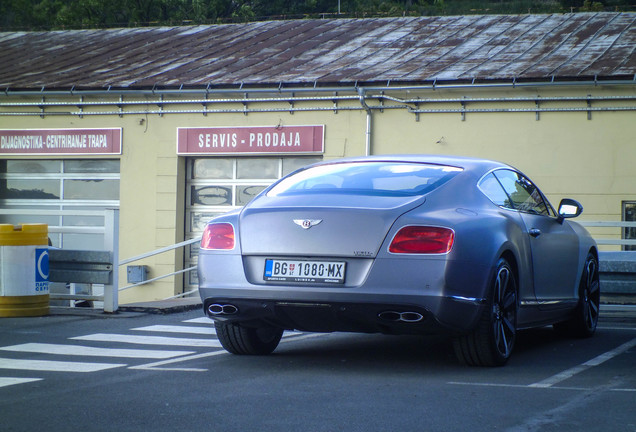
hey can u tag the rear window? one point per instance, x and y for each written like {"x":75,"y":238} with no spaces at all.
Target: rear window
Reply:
{"x":366,"y":178}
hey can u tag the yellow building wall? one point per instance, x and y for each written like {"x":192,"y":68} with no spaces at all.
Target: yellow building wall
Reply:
{"x":565,"y":153}
{"x":151,"y":203}
{"x":152,"y":197}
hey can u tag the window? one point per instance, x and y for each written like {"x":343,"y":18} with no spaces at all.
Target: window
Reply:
{"x":28,"y":186}
{"x":367,"y":178}
{"x":490,"y":186}
{"x":521,"y":193}
{"x":629,"y":215}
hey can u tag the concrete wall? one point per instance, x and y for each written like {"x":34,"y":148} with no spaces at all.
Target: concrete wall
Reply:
{"x":617,"y":271}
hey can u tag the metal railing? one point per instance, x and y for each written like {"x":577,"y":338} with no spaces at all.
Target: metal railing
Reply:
{"x":157,"y":252}
{"x":609,"y":224}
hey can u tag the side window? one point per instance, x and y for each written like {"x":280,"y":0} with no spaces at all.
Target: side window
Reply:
{"x":491,"y":187}
{"x":524,"y":195}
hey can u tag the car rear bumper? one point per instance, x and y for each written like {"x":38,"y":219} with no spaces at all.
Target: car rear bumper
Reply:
{"x":449,"y":315}
{"x":395,"y":297}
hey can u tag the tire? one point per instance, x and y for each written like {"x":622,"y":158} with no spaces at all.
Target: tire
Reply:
{"x":492,"y":341}
{"x":247,"y":340}
{"x":585,"y":319}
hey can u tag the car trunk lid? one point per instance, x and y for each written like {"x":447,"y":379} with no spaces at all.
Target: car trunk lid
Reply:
{"x":320,"y":225}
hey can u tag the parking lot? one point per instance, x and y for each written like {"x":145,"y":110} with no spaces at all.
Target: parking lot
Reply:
{"x":140,"y":371}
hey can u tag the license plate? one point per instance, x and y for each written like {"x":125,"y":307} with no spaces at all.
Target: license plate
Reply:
{"x":332,"y":272}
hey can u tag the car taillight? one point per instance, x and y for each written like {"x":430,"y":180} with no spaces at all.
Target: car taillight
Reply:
{"x":218,"y":236}
{"x":422,"y":240}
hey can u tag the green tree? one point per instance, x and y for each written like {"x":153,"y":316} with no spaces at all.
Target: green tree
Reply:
{"x":589,"y":6}
{"x":67,"y":14}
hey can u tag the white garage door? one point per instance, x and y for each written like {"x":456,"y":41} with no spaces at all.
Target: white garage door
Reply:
{"x":218,"y":185}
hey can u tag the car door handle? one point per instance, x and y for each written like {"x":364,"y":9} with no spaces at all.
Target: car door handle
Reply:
{"x":534,"y":232}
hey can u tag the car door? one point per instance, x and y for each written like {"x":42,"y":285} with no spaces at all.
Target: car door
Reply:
{"x":554,"y":244}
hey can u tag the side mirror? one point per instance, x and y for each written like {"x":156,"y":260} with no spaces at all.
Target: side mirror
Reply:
{"x":569,"y":208}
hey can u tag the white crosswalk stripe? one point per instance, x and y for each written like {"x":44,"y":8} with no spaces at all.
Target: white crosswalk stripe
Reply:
{"x":163,"y":358}
{"x":149,"y":340}
{"x":201,"y":320}
{"x":202,"y":326}
{"x":178,"y":329}
{"x":55,"y":366}
{"x":7,"y":381}
{"x":59,"y":349}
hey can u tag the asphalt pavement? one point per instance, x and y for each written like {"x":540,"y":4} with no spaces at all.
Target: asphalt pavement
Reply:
{"x":135,"y":371}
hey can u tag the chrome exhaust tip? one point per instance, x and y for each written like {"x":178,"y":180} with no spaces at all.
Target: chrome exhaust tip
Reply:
{"x":407,"y":317}
{"x":219,"y":309}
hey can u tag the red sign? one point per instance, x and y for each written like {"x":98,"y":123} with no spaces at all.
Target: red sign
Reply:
{"x":250,"y":140}
{"x":60,"y":141}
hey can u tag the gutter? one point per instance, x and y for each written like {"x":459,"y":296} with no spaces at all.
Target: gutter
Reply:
{"x":363,"y":102}
{"x":7,"y":91}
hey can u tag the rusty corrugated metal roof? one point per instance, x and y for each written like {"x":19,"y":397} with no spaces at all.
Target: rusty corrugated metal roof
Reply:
{"x":481,"y":47}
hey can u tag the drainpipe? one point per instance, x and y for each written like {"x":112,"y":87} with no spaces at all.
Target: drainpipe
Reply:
{"x":363,"y":102}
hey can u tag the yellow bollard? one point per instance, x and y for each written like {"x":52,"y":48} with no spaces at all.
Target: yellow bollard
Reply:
{"x":24,"y":270}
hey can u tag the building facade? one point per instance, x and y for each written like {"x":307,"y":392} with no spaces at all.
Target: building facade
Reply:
{"x":176,"y":125}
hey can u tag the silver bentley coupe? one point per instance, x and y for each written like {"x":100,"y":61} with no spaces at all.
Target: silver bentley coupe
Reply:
{"x":400,"y":244}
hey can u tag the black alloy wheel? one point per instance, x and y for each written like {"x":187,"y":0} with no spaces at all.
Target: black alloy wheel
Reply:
{"x":492,"y":342}
{"x":590,"y":296}
{"x":585,"y":318}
